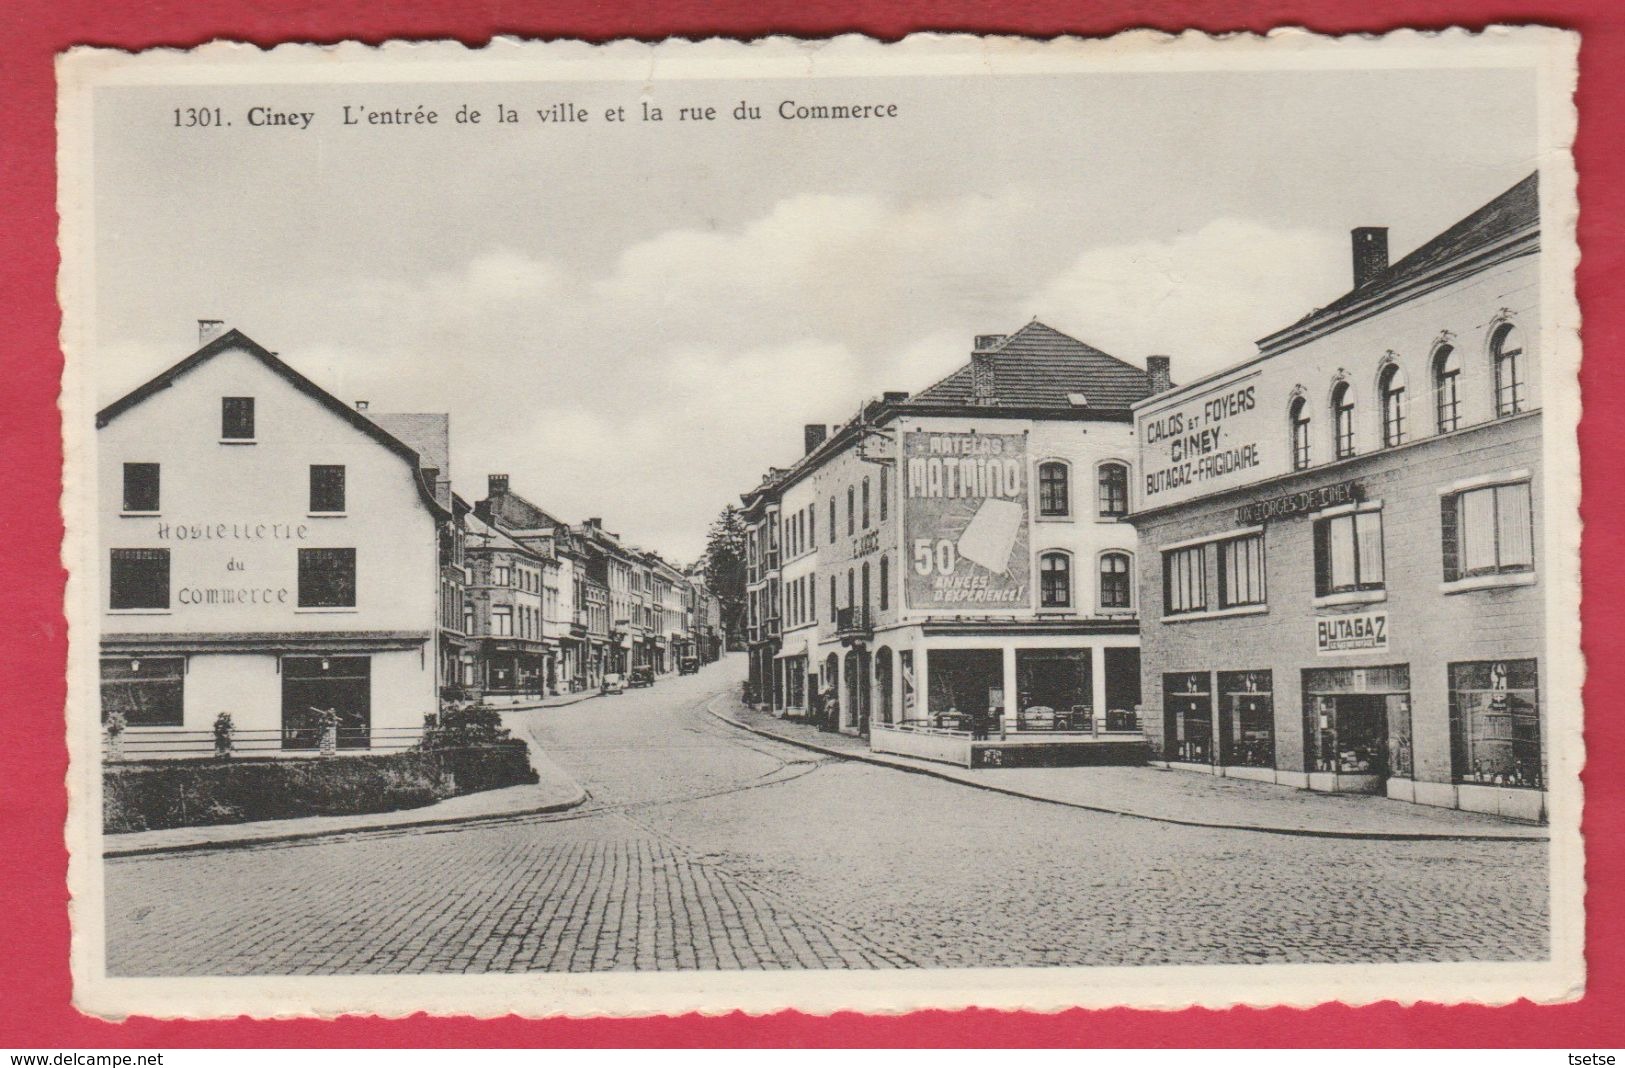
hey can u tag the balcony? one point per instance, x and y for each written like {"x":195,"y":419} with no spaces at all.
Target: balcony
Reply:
{"x":854,"y":624}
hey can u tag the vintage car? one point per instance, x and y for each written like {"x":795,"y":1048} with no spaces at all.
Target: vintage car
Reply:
{"x":642,"y":676}
{"x":614,"y":682}
{"x":688,"y":665}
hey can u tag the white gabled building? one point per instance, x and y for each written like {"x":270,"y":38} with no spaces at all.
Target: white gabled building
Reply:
{"x":264,"y":550}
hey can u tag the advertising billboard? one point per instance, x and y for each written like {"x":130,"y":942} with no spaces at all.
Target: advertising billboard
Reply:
{"x":1208,"y":440}
{"x":965,"y":521}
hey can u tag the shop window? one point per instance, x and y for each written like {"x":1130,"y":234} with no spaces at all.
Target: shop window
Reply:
{"x":139,"y":578}
{"x":1391,"y":390}
{"x":1054,"y":489}
{"x":327,"y":487}
{"x":1348,"y":553}
{"x":326,"y":578}
{"x":1241,"y":571}
{"x":1055,"y":580}
{"x":1299,"y":416}
{"x":1116,"y":590}
{"x":885,"y":583}
{"x":1246,"y":719}
{"x":141,"y":487}
{"x":1343,"y":420}
{"x":1184,"y":581}
{"x":1187,"y":713}
{"x":237,"y":418}
{"x":1495,"y":724}
{"x":1054,"y":689}
{"x":1447,"y":388}
{"x":1112,"y":483}
{"x":1357,"y":721}
{"x":311,"y":685}
{"x":148,"y":691}
{"x":967,"y":687}
{"x":1122,"y":688}
{"x":1511,"y":391}
{"x":1488,"y":531}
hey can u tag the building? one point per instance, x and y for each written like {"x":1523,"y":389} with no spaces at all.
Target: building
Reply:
{"x":506,"y":607}
{"x":762,"y":591}
{"x":1341,"y":542}
{"x":266,"y":552}
{"x":955,"y":565}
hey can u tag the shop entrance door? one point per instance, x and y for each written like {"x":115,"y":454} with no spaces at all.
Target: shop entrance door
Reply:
{"x":311,"y":684}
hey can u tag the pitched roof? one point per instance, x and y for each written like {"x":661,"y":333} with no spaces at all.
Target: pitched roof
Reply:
{"x":429,"y":435}
{"x":1513,"y":211}
{"x":1038,"y":367}
{"x":236,"y":339}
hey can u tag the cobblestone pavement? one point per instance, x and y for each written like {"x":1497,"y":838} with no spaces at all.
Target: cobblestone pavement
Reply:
{"x":705,"y":847}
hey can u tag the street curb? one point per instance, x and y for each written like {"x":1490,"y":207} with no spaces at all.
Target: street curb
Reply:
{"x":1297,"y":832}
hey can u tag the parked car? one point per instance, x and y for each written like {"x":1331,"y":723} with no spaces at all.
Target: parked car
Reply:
{"x":614,"y":682}
{"x":688,"y":665}
{"x":642,"y":676}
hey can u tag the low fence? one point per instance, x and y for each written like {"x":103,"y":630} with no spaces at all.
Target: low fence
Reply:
{"x":922,"y":741}
{"x":174,"y":743}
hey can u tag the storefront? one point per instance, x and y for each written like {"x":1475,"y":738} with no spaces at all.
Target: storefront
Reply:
{"x":1357,"y":727}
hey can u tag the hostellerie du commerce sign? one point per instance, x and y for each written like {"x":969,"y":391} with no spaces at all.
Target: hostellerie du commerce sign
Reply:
{"x":1206,"y":441}
{"x":1354,"y":632}
{"x":965,"y":510}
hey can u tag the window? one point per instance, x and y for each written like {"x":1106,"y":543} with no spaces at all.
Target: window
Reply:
{"x":1113,"y":490}
{"x":1511,"y":392}
{"x":834,"y":598}
{"x":832,"y":520}
{"x":140,"y":487}
{"x":327,"y":487}
{"x":812,"y":598}
{"x":326,"y":578}
{"x":1241,"y":571}
{"x":851,"y":587}
{"x":1055,"y":580}
{"x":865,"y":504}
{"x":1184,"y":580}
{"x":139,"y":578}
{"x":148,"y":691}
{"x":1391,"y":390}
{"x":1299,"y":415}
{"x":1343,"y":420}
{"x":237,"y":418}
{"x":1054,"y":494}
{"x":851,"y":511}
{"x":865,"y":601}
{"x":1488,"y":531}
{"x":468,"y":619}
{"x":502,"y":621}
{"x":1115,"y":590}
{"x":1348,"y":553}
{"x":885,"y":491}
{"x":1495,"y":724}
{"x":1246,"y":719}
{"x":501,"y":575}
{"x":1446,"y":389}
{"x":885,"y":578}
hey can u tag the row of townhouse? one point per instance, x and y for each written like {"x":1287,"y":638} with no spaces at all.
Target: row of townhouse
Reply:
{"x":269,"y":552}
{"x":1325,"y":567}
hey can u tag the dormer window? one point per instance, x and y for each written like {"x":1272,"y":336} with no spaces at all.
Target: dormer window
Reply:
{"x":237,"y":419}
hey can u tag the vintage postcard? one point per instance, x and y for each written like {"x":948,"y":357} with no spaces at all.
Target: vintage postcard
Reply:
{"x":656,"y":527}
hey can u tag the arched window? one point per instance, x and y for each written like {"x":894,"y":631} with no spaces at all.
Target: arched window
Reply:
{"x":1343,"y":420}
{"x":865,"y":601}
{"x":1054,"y":488}
{"x":1299,"y":415}
{"x":851,"y":510}
{"x":1391,"y":388}
{"x":1115,"y":589}
{"x":865,"y":504}
{"x":1055,"y":580}
{"x":834,"y":600}
{"x":1113,"y":488}
{"x":1511,"y":392}
{"x":1447,"y":388}
{"x":885,"y":583}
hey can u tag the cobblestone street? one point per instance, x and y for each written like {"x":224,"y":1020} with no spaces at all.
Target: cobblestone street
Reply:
{"x":703,"y":846}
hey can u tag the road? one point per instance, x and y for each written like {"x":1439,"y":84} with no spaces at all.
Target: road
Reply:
{"x":707,"y":847}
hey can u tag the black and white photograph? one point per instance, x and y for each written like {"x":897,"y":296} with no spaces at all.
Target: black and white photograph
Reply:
{"x":680,"y":526}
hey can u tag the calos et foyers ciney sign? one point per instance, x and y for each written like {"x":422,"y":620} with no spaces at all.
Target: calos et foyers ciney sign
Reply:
{"x":965,"y":514}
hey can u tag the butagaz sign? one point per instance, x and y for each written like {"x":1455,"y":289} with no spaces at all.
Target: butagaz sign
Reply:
{"x":965,"y":515}
{"x":1298,"y":503}
{"x":1204,"y":442}
{"x":1352,"y":632}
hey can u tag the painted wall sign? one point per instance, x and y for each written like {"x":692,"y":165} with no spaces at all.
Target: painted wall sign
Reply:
{"x":1207,"y":441}
{"x":1289,"y":504}
{"x":866,"y":544}
{"x":965,"y":520}
{"x":1356,"y":631}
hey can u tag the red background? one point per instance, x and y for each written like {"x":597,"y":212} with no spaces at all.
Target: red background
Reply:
{"x":35,"y":1007}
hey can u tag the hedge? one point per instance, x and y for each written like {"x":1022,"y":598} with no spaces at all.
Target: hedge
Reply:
{"x":186,"y":793}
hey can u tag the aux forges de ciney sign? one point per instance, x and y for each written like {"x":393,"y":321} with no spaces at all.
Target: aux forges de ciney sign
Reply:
{"x":965,"y":515}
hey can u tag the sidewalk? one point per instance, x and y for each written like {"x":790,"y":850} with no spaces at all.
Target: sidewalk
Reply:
{"x":527,"y":704}
{"x":554,"y":791}
{"x":1166,"y":796}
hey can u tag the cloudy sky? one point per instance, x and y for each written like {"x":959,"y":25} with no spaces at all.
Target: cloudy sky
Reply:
{"x":635,"y":320}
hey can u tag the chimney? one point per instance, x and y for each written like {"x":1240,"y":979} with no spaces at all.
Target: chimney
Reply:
{"x":983,"y":386}
{"x":813,"y":435}
{"x":595,"y":523}
{"x":360,"y":406}
{"x":1370,"y":253}
{"x":209,"y":329}
{"x":894,"y":396}
{"x":496,"y":485}
{"x":1159,"y":370}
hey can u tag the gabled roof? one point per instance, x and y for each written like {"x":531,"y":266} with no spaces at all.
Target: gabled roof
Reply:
{"x":1037,"y":367}
{"x":236,"y":339}
{"x":1513,"y":211}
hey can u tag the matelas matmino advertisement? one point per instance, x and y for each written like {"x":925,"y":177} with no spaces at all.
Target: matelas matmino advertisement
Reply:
{"x":965,"y":512}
